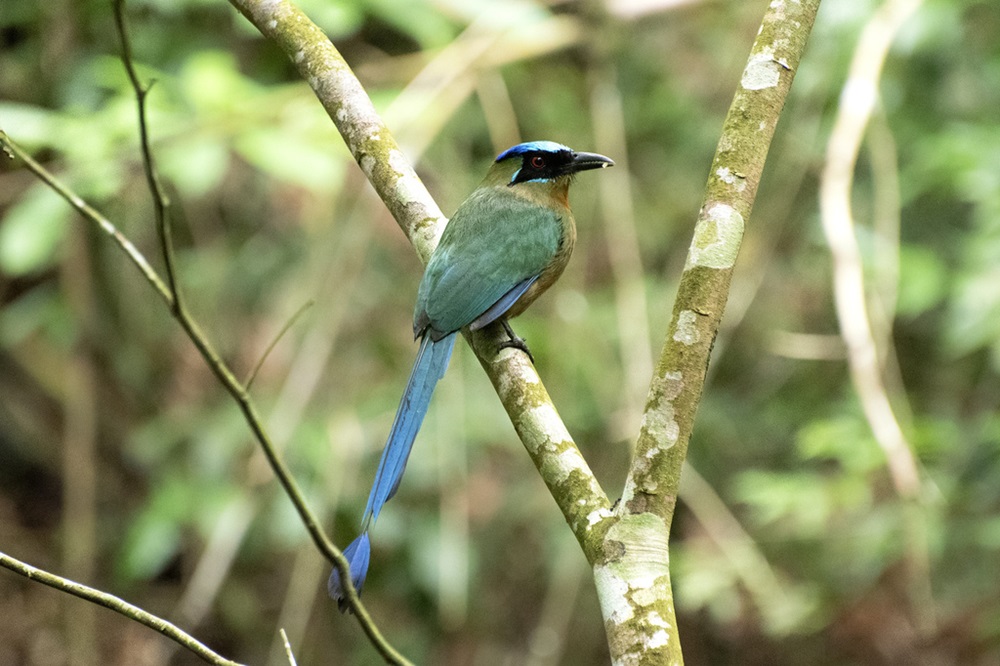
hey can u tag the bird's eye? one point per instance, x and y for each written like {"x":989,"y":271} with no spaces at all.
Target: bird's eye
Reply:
{"x":538,"y":162}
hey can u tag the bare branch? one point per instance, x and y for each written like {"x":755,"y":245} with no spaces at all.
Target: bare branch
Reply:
{"x":864,"y":357}
{"x":161,"y":203}
{"x":231,"y":384}
{"x":169,"y":293}
{"x":116,"y":604}
{"x":857,"y":102}
{"x":228,"y":379}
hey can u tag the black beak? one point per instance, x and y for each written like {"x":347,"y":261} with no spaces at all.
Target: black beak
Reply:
{"x":587,"y":161}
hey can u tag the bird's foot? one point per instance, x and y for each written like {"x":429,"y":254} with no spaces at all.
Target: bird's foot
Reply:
{"x":514,"y":341}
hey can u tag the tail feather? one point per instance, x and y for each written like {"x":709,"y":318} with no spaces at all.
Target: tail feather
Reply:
{"x":358,"y":555}
{"x":431,"y":363}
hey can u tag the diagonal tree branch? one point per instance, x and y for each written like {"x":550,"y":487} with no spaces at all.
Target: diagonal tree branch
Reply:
{"x":704,"y":287}
{"x":239,"y":392}
{"x":633,"y":582}
{"x":354,"y":115}
{"x":116,"y":604}
{"x":564,"y":470}
{"x":229,"y":382}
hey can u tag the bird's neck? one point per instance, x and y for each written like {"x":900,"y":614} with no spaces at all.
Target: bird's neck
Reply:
{"x":546,"y":193}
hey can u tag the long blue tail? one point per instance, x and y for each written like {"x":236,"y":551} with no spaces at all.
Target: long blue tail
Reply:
{"x":431,"y":363}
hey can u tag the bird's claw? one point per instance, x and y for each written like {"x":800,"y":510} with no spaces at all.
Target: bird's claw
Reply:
{"x":514,"y":341}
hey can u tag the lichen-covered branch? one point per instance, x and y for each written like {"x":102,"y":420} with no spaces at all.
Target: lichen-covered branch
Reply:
{"x":633,"y":581}
{"x":704,"y":288}
{"x":352,"y":111}
{"x":573,"y":485}
{"x":528,"y":405}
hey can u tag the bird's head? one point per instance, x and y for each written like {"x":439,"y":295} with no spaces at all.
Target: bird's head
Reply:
{"x":544,"y":162}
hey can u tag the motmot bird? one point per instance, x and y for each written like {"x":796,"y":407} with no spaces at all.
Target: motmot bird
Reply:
{"x":506,"y":244}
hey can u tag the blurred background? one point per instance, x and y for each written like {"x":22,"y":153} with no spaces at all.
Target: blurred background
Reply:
{"x":123,"y":464}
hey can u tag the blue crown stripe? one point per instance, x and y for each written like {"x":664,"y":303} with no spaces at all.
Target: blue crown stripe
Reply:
{"x":533,"y":146}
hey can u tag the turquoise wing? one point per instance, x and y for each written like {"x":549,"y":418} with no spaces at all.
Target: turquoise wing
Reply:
{"x":494,"y":242}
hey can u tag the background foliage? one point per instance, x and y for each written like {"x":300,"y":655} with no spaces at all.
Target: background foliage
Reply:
{"x":123,"y":464}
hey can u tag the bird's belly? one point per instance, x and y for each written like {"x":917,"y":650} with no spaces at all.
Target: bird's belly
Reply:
{"x":549,"y":274}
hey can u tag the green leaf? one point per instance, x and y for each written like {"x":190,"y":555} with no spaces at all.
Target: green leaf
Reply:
{"x":151,"y":543}
{"x":31,"y":232}
{"x":196,"y":165}
{"x":922,"y":280}
{"x":291,"y":158}
{"x":846,"y":439}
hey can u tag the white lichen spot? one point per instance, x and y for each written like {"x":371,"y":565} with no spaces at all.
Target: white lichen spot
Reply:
{"x":649,"y":484}
{"x":761,"y":72}
{"x":595,"y":517}
{"x":729,"y":177}
{"x":717,"y":238}
{"x":272,"y":24}
{"x":687,"y":328}
{"x":661,"y":427}
{"x":611,"y":591}
{"x":667,"y":387}
{"x":300,"y":56}
{"x":658,"y":422}
{"x":646,"y":595}
{"x":567,"y":462}
{"x":658,"y":639}
{"x":368,"y":165}
{"x":409,"y":189}
{"x":541,"y":426}
{"x":510,"y":382}
{"x":656,"y":620}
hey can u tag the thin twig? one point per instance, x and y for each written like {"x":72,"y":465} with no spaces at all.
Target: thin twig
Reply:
{"x":226,"y":376}
{"x":284,"y":329}
{"x":229,"y":382}
{"x":116,"y":604}
{"x":88,"y":212}
{"x":288,"y":647}
{"x":161,"y":203}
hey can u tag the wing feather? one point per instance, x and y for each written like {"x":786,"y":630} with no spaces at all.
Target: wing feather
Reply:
{"x":494,"y":242}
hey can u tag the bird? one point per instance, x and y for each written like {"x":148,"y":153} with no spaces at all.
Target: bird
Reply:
{"x":506,"y":244}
